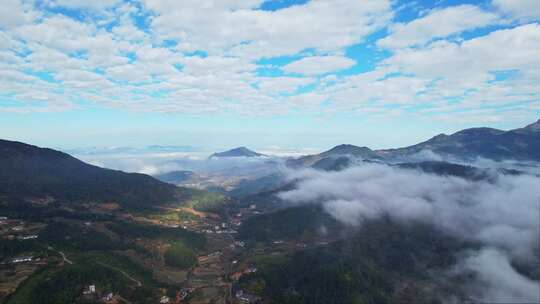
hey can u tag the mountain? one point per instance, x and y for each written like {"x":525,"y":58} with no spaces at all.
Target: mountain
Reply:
{"x":517,"y":144}
{"x":237,"y":152}
{"x":333,"y":163}
{"x":463,"y":171}
{"x":349,"y":150}
{"x":32,"y":172}
{"x":175,"y":177}
{"x":253,"y":186}
{"x":534,"y":127}
{"x":335,"y":159}
{"x":381,"y":262}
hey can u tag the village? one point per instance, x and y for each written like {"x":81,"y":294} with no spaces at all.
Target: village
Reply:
{"x":213,"y":278}
{"x":14,"y":270}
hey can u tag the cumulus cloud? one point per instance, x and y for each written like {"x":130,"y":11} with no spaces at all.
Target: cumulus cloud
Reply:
{"x":467,"y":72}
{"x":14,"y":13}
{"x":283,"y":84}
{"x":501,"y":214}
{"x":437,"y":24}
{"x":521,"y":9}
{"x":213,"y":25}
{"x":207,"y":57}
{"x":473,"y":58}
{"x":94,"y":4}
{"x":319,"y":65}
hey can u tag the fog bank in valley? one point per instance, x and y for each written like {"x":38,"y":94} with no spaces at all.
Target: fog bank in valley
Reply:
{"x":502,"y":214}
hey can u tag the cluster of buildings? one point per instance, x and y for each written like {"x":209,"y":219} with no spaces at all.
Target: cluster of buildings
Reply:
{"x":238,"y":244}
{"x":218,"y":229}
{"x":237,"y":222}
{"x":11,"y":229}
{"x":22,"y":259}
{"x":28,"y":237}
{"x":246,"y":298}
{"x":180,"y":296}
{"x":91,"y":293}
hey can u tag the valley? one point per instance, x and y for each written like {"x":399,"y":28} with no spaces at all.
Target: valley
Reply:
{"x":344,"y":226}
{"x":182,"y":254}
{"x":269,"y":152}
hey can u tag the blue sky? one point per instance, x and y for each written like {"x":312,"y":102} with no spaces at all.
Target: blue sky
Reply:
{"x":289,"y":74}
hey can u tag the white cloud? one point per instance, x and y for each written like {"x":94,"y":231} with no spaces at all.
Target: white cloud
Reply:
{"x":437,"y":24}
{"x":319,"y":65}
{"x":356,"y":91}
{"x":196,"y":66}
{"x":14,"y":13}
{"x":129,"y":32}
{"x":307,"y":101}
{"x":444,"y":77}
{"x":221,"y":26}
{"x":466,"y":69}
{"x":500,"y":215}
{"x":499,"y":281}
{"x":473,"y":210}
{"x":61,"y":33}
{"x":128,"y":72}
{"x":126,"y":66}
{"x":521,"y":9}
{"x":274,"y":85}
{"x":85,"y":4}
{"x":471,"y":57}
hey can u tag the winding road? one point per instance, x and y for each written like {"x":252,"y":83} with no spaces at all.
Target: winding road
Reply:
{"x":139,"y":284}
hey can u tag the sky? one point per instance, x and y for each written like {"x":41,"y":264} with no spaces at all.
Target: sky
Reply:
{"x":264,"y":74}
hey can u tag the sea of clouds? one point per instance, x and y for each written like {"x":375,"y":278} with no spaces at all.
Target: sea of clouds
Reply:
{"x":502,"y":214}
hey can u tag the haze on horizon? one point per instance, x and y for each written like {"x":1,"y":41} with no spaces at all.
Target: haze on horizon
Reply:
{"x":290,"y":74}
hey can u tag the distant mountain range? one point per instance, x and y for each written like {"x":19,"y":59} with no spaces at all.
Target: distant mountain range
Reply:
{"x":517,"y":144}
{"x":32,"y":172}
{"x":237,"y":152}
{"x":129,"y":150}
{"x":521,"y":144}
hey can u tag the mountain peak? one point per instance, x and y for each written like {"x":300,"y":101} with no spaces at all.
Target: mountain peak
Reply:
{"x":346,"y":149}
{"x":535,"y":126}
{"x":483,"y":131}
{"x":237,"y":152}
{"x":439,"y":137}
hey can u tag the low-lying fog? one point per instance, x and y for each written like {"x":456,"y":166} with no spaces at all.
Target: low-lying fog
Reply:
{"x":503,"y":215}
{"x":159,"y":162}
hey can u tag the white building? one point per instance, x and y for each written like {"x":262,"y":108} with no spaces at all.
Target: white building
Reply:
{"x":22,"y":259}
{"x":29,"y":237}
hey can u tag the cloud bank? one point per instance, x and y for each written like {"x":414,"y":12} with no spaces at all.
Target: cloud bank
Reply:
{"x":503,"y":215}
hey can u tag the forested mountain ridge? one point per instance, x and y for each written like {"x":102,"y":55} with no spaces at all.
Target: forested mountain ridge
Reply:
{"x":519,"y":144}
{"x":28,"y":171}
